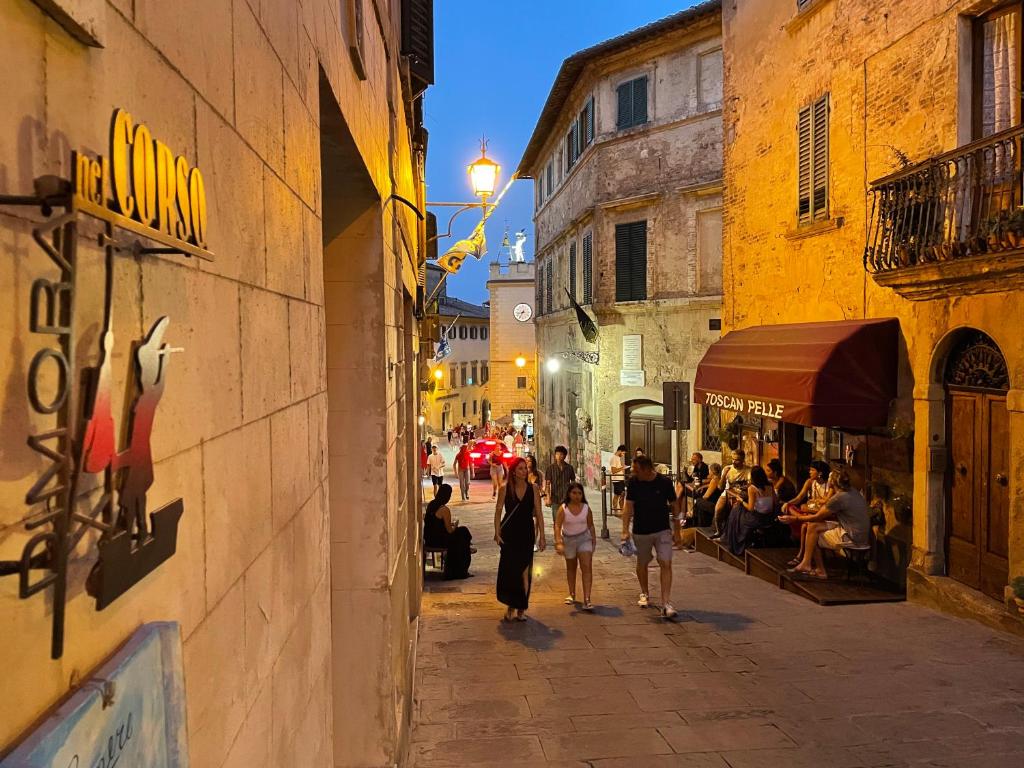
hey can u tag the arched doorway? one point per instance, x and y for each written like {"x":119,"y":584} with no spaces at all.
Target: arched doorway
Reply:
{"x":978,"y":436}
{"x":643,"y":429}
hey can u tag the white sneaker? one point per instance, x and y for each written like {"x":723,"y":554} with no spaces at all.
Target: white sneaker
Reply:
{"x":668,"y":611}
{"x":642,"y":602}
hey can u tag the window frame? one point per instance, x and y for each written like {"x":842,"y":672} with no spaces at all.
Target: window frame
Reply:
{"x":588,"y":267}
{"x":630,"y":231}
{"x":977,"y":62}
{"x":816,"y":117}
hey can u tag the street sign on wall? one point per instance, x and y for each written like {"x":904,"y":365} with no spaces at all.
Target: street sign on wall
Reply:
{"x":676,"y":404}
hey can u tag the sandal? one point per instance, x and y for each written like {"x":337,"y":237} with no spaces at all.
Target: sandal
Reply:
{"x":794,"y":562}
{"x":509,"y":615}
{"x":588,"y":606}
{"x":521,"y":616}
{"x":570,"y":600}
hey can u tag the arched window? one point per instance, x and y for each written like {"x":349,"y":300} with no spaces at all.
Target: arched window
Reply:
{"x":462,"y":331}
{"x":472,"y":331}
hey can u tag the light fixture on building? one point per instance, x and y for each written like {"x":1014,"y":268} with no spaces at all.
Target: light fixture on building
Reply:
{"x":422,"y":420}
{"x":438,"y":374}
{"x":553,"y":365}
{"x":520,"y":362}
{"x":483,"y":174}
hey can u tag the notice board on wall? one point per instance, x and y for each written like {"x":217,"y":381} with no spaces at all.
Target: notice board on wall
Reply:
{"x":130,"y":712}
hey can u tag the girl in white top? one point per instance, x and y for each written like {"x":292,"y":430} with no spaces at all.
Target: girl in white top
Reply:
{"x":575,"y":539}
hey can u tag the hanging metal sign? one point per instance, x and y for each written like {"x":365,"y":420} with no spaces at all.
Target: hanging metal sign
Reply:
{"x":81,"y":440}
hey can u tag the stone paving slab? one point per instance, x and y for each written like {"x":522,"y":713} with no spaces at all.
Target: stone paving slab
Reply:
{"x":748,"y":676}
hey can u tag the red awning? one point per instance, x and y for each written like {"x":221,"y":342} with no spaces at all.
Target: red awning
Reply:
{"x":835,"y":374}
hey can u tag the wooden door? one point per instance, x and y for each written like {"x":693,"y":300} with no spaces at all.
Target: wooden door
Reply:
{"x":979,"y":490}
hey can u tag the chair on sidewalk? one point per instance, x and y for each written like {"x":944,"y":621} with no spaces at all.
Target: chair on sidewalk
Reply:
{"x":433,"y":552}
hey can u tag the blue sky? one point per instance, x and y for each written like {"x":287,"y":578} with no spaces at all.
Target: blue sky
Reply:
{"x":494,"y":65}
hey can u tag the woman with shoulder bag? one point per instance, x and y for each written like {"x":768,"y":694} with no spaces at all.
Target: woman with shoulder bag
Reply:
{"x":518,"y":524}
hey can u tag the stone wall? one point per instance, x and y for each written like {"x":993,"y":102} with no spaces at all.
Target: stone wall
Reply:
{"x":297,"y":606}
{"x":898,"y":81}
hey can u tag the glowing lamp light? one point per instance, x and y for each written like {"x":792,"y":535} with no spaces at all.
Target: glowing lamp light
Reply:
{"x":422,"y":420}
{"x":483,"y":175}
{"x":553,"y":365}
{"x":520,"y":362}
{"x":438,"y":374}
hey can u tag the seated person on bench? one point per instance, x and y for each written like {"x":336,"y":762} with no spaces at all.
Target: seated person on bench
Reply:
{"x":704,"y":504}
{"x":844,"y":522}
{"x":736,"y":478}
{"x":441,"y":532}
{"x":750,"y":514}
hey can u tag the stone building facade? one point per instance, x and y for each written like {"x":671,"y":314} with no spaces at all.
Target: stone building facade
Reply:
{"x":849,"y":181}
{"x":295,"y":588}
{"x":626,"y":162}
{"x":459,"y":394}
{"x":511,"y":389}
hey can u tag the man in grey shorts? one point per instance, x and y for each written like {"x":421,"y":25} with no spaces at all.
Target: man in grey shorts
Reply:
{"x":650,"y":506}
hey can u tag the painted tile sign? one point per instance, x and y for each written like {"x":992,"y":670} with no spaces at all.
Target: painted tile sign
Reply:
{"x":131,"y":713}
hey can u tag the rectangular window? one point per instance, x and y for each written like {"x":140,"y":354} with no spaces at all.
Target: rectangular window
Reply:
{"x":996,"y":86}
{"x":451,"y":377}
{"x":472,"y":375}
{"x":485,"y":373}
{"x":548,"y":288}
{"x":474,"y":407}
{"x":812,"y":163}
{"x":709,"y":79}
{"x":709,"y":251}
{"x":712,"y":418}
{"x":463,"y":410}
{"x":587,"y":122}
{"x":631,"y":261}
{"x":632,"y":98}
{"x":463,"y":375}
{"x":520,"y":382}
{"x":549,"y":177}
{"x":572,"y":269}
{"x":539,"y":297}
{"x":588,"y":267}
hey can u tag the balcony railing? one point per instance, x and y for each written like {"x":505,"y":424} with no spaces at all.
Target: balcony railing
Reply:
{"x":953,"y":206}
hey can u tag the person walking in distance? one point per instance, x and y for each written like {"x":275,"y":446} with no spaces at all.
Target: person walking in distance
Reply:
{"x":497,"y":468}
{"x":575,"y":540}
{"x":650,"y":507}
{"x":618,"y":477}
{"x":518,"y":525}
{"x":557,"y":479}
{"x":436,"y":463}
{"x":463,"y":468}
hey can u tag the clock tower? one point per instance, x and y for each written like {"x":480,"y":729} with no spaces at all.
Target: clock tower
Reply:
{"x":512,"y":389}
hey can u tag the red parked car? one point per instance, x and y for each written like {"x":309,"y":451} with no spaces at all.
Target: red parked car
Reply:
{"x":480,"y":450}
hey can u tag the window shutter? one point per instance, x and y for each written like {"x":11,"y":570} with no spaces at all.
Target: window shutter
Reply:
{"x":640,"y":101}
{"x":418,"y":39}
{"x":572,"y":270}
{"x":819,"y":178}
{"x":590,"y":122}
{"x":588,"y":267}
{"x":625,"y":118}
{"x":631,"y":261}
{"x":539,"y":295}
{"x":622,"y":278}
{"x":803,"y":132}
{"x":547,"y":289}
{"x":638,"y":260}
{"x":568,"y":151}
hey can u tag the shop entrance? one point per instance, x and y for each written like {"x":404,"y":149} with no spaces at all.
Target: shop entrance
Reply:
{"x":978,"y":437}
{"x":643,"y":421}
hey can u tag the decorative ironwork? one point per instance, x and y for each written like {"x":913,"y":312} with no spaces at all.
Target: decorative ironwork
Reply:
{"x":977,"y":363}
{"x":956,"y":205}
{"x":81,"y":439}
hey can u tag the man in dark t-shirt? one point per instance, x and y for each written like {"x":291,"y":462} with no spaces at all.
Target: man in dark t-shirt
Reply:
{"x":650,"y":506}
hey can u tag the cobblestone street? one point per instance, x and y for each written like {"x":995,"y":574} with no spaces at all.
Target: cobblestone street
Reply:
{"x":748,"y":676}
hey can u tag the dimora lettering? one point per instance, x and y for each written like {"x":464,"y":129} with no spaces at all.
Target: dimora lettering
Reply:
{"x":744,"y":405}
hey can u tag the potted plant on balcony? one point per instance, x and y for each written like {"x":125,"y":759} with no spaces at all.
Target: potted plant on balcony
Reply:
{"x":1015,"y":228}
{"x":1017,"y":585}
{"x":993,"y":230}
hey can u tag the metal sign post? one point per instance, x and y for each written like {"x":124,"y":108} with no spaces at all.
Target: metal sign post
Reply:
{"x":675,"y":398}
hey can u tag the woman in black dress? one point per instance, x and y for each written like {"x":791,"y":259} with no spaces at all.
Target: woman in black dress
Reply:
{"x":439,"y":530}
{"x":518,"y":525}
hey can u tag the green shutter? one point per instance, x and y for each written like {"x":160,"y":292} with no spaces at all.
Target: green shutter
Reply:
{"x":589,"y":122}
{"x":625,"y":92}
{"x":588,"y":267}
{"x":631,"y":261}
{"x":572,"y":270}
{"x":640,"y":101}
{"x":539,"y":294}
{"x":623,"y":283}
{"x":547,"y":288}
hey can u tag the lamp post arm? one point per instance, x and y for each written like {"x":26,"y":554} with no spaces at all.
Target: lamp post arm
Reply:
{"x":462,"y":208}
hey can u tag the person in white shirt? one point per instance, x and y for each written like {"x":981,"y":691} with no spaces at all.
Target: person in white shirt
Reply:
{"x":435,"y":461}
{"x":510,"y":439}
{"x":618,"y":476}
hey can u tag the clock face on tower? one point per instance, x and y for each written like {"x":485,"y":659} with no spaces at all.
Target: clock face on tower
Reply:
{"x":522,"y":312}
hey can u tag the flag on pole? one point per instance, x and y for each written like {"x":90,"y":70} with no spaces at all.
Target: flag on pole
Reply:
{"x":443,"y":349}
{"x":587,"y":326}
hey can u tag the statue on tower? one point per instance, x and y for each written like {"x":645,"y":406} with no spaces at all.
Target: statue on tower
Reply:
{"x":517,"y":249}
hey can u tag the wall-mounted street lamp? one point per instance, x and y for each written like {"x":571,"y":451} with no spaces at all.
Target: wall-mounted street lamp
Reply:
{"x":553,"y":365}
{"x":520,"y":362}
{"x":483,"y":177}
{"x":438,"y":374}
